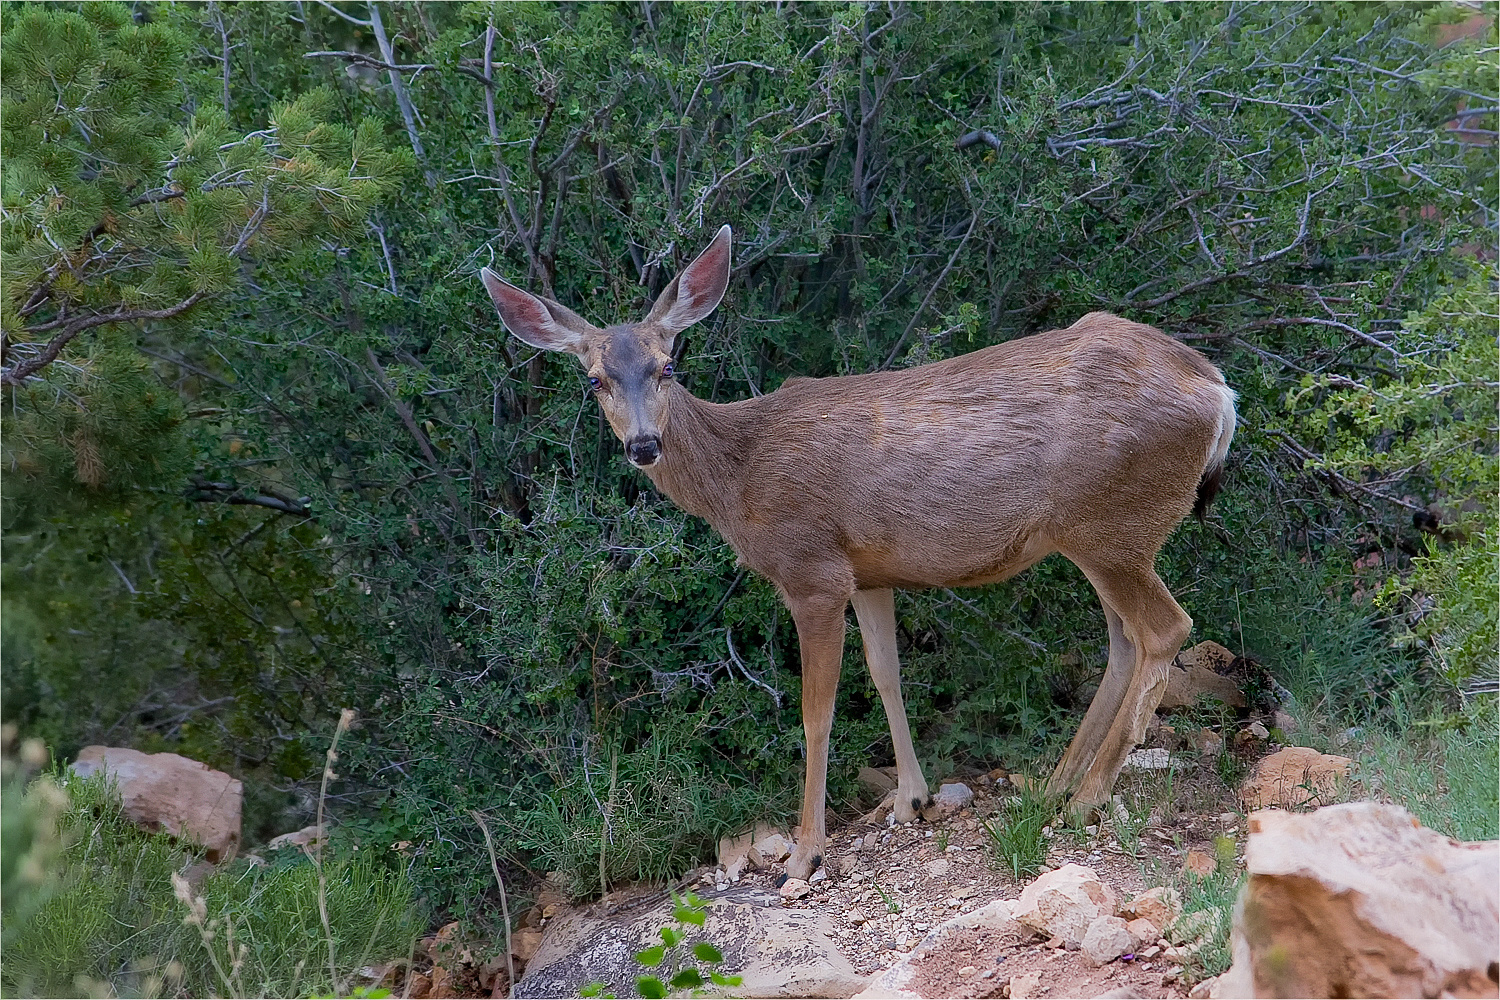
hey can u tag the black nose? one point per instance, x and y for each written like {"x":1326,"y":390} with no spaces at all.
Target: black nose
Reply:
{"x":644,"y":451}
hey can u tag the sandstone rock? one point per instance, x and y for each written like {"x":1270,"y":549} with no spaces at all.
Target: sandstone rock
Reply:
{"x":1161,"y":905}
{"x":731,"y":849}
{"x":305,"y":837}
{"x":951,"y":798}
{"x":773,"y":847}
{"x":794,"y":888}
{"x":1203,"y":989}
{"x":779,"y":952}
{"x":1064,"y":902}
{"x":1284,"y":722}
{"x":875,"y":783}
{"x":1106,"y":939}
{"x":165,"y":791}
{"x":1258,"y":730}
{"x":1360,"y":900}
{"x":1199,"y":673}
{"x":1143,"y":933}
{"x":1025,"y":985}
{"x":938,"y":867}
{"x":1207,"y":742}
{"x":1294,"y":777}
{"x":1200,"y":863}
{"x":895,"y":981}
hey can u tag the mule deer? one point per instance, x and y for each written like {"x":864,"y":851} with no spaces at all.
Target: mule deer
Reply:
{"x":1094,"y":441}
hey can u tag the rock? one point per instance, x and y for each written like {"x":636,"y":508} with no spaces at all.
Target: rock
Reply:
{"x":875,"y":783}
{"x":794,"y":888}
{"x":1190,"y":927}
{"x":523,"y":944}
{"x":895,"y":981}
{"x":731,"y":849}
{"x":1258,"y":730}
{"x":1161,"y":905}
{"x":165,"y":791}
{"x":1154,"y":759}
{"x":1200,"y":863}
{"x":1143,"y":933}
{"x":951,"y":798}
{"x":1106,"y":939}
{"x":1025,"y":985}
{"x":1294,"y":777}
{"x":937,"y":868}
{"x":1203,"y":989}
{"x":418,"y":986}
{"x":1064,"y":902}
{"x":773,"y":847}
{"x":1284,"y":722}
{"x":1199,"y":673}
{"x":1207,"y":742}
{"x":305,"y":837}
{"x":1361,"y":900}
{"x":779,"y":952}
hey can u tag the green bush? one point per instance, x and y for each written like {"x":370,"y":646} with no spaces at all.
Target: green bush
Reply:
{"x":114,"y":923}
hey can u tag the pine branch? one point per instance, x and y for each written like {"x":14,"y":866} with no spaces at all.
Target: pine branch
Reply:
{"x":69,"y":328}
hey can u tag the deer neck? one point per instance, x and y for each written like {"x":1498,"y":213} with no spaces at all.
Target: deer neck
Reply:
{"x":704,"y":450}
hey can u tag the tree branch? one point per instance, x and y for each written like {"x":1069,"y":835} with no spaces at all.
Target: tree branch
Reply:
{"x":70,"y":328}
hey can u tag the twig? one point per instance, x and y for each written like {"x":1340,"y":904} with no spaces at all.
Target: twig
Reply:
{"x":901,"y":340}
{"x":315,"y":851}
{"x":489,"y":843}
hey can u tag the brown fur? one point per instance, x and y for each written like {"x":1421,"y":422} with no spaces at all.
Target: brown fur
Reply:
{"x":1092,"y":441}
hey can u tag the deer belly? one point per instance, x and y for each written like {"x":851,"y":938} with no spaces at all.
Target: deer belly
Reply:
{"x":939,"y":562}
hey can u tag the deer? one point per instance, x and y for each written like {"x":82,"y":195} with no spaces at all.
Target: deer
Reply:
{"x":1094,"y":441}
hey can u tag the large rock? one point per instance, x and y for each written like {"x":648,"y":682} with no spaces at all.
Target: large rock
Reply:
{"x":1359,"y":900}
{"x":165,"y":791}
{"x":779,"y":952}
{"x":1064,"y":902}
{"x":1161,"y":905}
{"x":1294,"y":777}
{"x":1106,"y":939}
{"x":1199,"y":673}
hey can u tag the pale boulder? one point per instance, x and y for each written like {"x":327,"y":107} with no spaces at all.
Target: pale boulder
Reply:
{"x":1294,"y":777}
{"x":1025,"y":985}
{"x":1064,"y":902}
{"x":1143,"y":933}
{"x":1361,"y":900}
{"x":896,"y":982}
{"x":1106,"y":939}
{"x":950,"y":798}
{"x":166,"y":791}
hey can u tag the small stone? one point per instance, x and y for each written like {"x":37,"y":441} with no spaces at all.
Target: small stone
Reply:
{"x":1228,"y":819}
{"x":1200,"y":863}
{"x":870,"y":842}
{"x":1161,"y":905}
{"x":1203,"y":989}
{"x":1284,"y":722}
{"x":1025,"y":985}
{"x":1149,"y":953}
{"x":937,"y":868}
{"x":1207,"y":742}
{"x":1154,"y":759}
{"x":968,"y":970}
{"x":794,"y":888}
{"x":950,"y":798}
{"x":1106,"y":939}
{"x":1142,"y":932}
{"x":1258,"y":730}
{"x":855,"y":917}
{"x":820,"y":875}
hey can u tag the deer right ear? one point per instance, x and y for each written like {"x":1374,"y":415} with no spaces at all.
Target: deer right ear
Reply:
{"x":537,"y":321}
{"x":694,"y":293}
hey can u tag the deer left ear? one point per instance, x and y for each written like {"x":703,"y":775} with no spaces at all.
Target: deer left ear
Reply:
{"x":695,"y":293}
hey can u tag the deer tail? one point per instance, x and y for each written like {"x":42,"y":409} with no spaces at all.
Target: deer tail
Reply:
{"x":1213,"y":469}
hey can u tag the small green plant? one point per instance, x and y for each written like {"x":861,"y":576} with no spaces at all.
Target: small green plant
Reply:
{"x":1019,"y":842}
{"x":689,"y":910}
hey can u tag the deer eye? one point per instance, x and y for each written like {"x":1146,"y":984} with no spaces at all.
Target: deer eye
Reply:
{"x":595,"y":384}
{"x":666,"y":370}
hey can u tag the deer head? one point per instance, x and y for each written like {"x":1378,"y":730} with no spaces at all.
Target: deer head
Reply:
{"x":629,"y":365}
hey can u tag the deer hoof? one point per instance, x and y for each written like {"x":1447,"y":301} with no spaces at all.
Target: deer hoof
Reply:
{"x":909,"y":807}
{"x":802,"y":863}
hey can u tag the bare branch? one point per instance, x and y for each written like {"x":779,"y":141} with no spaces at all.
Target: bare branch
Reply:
{"x":72,"y":327}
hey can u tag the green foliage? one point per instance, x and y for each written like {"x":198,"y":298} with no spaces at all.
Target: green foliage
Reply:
{"x":1019,"y":832}
{"x":423,"y":519}
{"x":114,"y":922}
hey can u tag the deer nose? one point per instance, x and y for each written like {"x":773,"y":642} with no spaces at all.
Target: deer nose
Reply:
{"x":644,"y":451}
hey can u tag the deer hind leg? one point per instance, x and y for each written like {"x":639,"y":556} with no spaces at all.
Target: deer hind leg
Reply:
{"x":1102,"y":709}
{"x":876,"y":612}
{"x":820,"y":634}
{"x":1156,"y":626}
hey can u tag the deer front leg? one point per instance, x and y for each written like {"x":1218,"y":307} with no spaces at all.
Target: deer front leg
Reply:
{"x":876,"y":612}
{"x":820,"y":633}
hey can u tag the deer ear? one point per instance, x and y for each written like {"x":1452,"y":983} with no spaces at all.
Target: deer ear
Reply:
{"x":694,"y":293}
{"x":537,"y":321}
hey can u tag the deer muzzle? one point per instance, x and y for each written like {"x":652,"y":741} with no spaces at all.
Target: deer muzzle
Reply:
{"x":643,"y":452}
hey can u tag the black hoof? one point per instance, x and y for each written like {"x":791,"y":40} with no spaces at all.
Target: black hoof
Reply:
{"x":916,"y":803}
{"x":817,"y":862}
{"x":781,"y":880}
